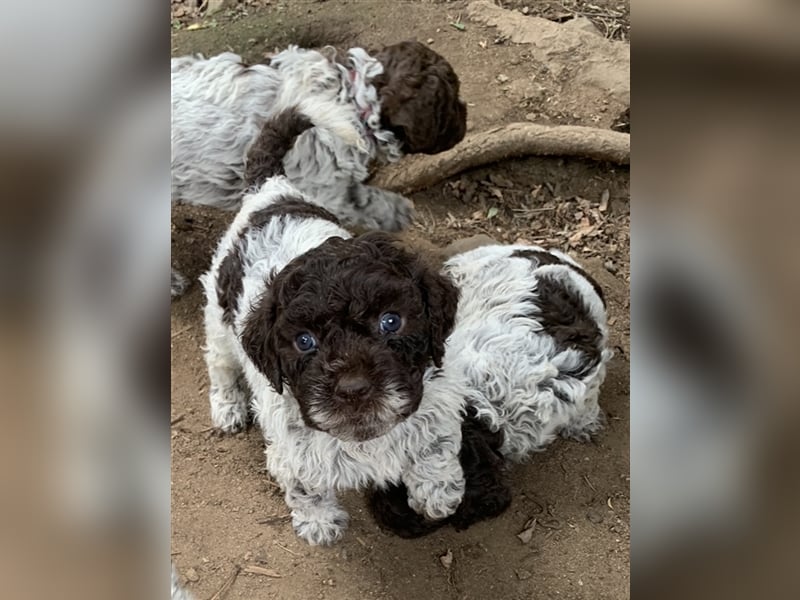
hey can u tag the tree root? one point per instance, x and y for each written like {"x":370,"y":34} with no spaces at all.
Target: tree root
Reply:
{"x":508,"y":141}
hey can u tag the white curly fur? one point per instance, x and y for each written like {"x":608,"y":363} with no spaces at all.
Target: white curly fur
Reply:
{"x":498,"y":358}
{"x":178,"y":592}
{"x":511,"y":364}
{"x":219,"y":106}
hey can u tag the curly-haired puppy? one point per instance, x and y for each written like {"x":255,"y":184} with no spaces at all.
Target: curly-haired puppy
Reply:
{"x":341,"y":342}
{"x":357,"y":374}
{"x":402,"y":99}
{"x":530,"y":342}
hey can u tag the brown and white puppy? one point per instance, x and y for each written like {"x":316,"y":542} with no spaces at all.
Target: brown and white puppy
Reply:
{"x":341,"y":342}
{"x":402,"y":99}
{"x":366,"y":109}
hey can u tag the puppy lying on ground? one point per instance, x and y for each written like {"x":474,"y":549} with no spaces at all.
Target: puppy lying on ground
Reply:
{"x":530,"y":340}
{"x":404,"y":99}
{"x":357,"y":376}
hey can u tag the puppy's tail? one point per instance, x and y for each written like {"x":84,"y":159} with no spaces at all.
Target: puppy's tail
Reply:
{"x":277,"y":137}
{"x":279,"y":134}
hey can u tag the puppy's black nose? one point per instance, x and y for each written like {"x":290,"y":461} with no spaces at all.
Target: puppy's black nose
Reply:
{"x":352,"y":386}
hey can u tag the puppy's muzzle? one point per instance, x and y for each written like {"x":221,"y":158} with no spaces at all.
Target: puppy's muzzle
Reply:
{"x":352,"y":387}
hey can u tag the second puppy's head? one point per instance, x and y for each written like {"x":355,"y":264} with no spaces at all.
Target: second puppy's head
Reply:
{"x":419,"y":98}
{"x":350,"y":328}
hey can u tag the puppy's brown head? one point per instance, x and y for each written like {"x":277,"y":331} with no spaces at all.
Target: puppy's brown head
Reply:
{"x":350,"y":328}
{"x":418,"y":90}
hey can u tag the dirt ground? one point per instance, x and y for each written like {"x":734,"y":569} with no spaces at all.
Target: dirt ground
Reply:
{"x":226,"y":512}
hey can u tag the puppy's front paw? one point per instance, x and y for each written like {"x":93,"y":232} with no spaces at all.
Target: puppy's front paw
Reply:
{"x":402,"y":215}
{"x":436,"y":500}
{"x":228,"y":409}
{"x":320,"y":529}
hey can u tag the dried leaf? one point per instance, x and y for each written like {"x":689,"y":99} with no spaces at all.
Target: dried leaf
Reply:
{"x":526,"y":534}
{"x":446,"y":559}
{"x":501,"y":181}
{"x":458,"y":25}
{"x":196,"y":26}
{"x":492,"y":212}
{"x":604,"y":200}
{"x":580,"y":233}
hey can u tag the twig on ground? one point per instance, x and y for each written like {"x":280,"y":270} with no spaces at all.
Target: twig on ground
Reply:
{"x":257,"y":570}
{"x":227,"y":585}
{"x":181,"y":331}
{"x":271,"y":520}
{"x":282,"y":547}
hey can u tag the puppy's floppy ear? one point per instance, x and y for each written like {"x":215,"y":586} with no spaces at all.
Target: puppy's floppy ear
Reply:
{"x":441,"y":302}
{"x":259,"y":341}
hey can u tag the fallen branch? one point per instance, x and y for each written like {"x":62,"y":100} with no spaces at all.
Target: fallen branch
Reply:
{"x":500,"y":143}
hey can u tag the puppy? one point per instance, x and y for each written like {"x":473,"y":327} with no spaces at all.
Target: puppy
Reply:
{"x":341,"y":342}
{"x":530,"y":341}
{"x":403,"y":99}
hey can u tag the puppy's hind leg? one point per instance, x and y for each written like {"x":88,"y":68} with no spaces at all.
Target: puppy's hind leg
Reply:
{"x":227,"y":393}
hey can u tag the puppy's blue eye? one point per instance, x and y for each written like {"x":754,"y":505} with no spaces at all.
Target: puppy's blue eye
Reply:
{"x":390,"y":322}
{"x":305,"y":342}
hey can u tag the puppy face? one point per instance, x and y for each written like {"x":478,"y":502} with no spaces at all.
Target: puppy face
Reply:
{"x":419,"y":98}
{"x":350,"y":327}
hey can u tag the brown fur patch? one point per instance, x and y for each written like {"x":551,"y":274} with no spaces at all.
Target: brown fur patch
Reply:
{"x":278,"y":135}
{"x":231,"y":270}
{"x":545,"y":258}
{"x":287,"y":206}
{"x":229,"y":282}
{"x":419,"y":98}
{"x":564,"y":316}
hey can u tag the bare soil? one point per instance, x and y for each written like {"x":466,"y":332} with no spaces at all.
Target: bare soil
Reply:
{"x":226,"y":512}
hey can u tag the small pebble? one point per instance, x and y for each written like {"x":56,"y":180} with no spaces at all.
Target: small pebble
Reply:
{"x":430,"y":40}
{"x":595,"y":516}
{"x":192,"y":575}
{"x":610,"y":267}
{"x":502,"y":78}
{"x":522,"y":574}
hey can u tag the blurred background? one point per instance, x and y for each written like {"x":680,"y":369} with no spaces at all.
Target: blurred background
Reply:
{"x":84,"y":170}
{"x":714,"y":277}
